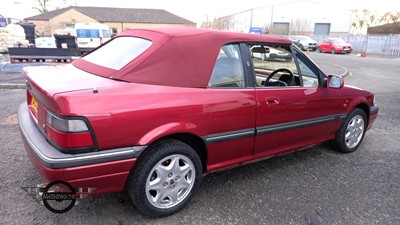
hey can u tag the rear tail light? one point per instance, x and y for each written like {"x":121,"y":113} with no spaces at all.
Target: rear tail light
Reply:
{"x":69,"y":134}
{"x":66,"y":125}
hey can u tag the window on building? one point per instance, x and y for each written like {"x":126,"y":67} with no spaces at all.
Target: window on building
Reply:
{"x":114,"y":31}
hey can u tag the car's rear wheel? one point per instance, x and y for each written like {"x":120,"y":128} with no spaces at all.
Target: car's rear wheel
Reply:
{"x":333,"y":51}
{"x":165,"y":179}
{"x":351,"y":133}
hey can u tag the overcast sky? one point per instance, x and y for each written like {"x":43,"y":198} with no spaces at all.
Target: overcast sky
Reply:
{"x":196,"y":11}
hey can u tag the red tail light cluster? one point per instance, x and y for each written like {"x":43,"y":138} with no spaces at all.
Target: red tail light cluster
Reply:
{"x":69,"y":134}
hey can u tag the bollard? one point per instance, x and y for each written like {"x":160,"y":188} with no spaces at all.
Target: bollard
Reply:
{"x":308,"y":51}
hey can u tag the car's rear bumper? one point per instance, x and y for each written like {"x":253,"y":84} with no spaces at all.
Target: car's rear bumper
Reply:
{"x":107,"y":171}
{"x":373,"y":113}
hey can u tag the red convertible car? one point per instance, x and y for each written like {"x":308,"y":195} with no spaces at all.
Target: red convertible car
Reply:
{"x":154,"y":110}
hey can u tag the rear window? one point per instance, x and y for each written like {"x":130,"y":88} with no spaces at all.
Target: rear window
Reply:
{"x":118,"y":52}
{"x":87,"y":33}
{"x":106,"y":33}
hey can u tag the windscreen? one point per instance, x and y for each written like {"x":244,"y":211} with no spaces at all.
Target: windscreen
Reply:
{"x":118,"y":52}
{"x":339,"y":41}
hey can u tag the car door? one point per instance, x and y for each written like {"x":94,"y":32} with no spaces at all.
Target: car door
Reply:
{"x":230,"y":111}
{"x":322,"y":45}
{"x":294,"y":115}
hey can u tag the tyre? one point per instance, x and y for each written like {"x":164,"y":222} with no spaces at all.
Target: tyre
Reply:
{"x":302,"y":47}
{"x":333,"y":51}
{"x":319,"y":50}
{"x":165,"y":179}
{"x":351,"y":133}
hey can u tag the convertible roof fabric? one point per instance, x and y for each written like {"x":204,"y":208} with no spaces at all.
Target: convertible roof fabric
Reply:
{"x":182,"y":57}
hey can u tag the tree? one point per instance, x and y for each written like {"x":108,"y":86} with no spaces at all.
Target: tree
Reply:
{"x":223,"y":23}
{"x":266,"y":28}
{"x":390,"y":24}
{"x":300,"y":26}
{"x":390,"y":17}
{"x":364,"y":19}
{"x":42,"y":6}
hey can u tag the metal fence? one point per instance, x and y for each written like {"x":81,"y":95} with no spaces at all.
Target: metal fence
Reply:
{"x":375,"y":44}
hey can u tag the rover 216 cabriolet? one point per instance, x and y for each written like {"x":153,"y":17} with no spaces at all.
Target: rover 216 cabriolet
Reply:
{"x":153,"y":110}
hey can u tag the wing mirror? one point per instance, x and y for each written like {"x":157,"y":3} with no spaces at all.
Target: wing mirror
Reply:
{"x":335,"y":81}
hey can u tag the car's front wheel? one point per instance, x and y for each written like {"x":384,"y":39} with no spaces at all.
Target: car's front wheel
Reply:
{"x":319,"y":49}
{"x":333,"y":51}
{"x":352,"y":131}
{"x":165,"y":179}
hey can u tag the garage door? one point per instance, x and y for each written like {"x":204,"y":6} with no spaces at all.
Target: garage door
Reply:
{"x":322,"y":28}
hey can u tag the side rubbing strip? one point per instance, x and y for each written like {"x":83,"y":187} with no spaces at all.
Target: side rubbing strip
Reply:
{"x":298,"y":124}
{"x":234,"y":135}
{"x":228,"y":136}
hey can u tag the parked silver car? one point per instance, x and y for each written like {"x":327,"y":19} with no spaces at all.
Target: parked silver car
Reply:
{"x":304,"y":42}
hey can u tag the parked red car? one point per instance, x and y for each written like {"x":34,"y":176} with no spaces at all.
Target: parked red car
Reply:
{"x":154,"y":110}
{"x":334,"y":45}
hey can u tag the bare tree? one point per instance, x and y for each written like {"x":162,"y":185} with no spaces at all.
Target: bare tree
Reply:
{"x":390,"y":17}
{"x":42,"y":6}
{"x":207,"y":24}
{"x":364,"y":19}
{"x":224,"y":23}
{"x":300,"y":26}
{"x":266,"y":28}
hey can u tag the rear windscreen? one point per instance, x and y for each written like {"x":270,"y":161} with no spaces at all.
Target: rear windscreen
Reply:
{"x":118,"y":52}
{"x":87,"y":33}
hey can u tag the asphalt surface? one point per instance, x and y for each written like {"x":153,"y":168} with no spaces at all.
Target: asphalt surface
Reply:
{"x":314,"y":186}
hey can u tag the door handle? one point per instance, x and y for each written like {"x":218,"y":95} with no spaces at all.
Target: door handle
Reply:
{"x":272,"y":100}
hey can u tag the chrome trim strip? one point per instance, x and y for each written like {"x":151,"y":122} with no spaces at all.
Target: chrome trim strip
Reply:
{"x":53,"y":158}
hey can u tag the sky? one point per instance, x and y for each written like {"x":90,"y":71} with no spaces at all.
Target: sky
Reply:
{"x":196,"y":11}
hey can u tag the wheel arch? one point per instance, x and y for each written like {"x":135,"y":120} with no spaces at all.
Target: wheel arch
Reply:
{"x":364,"y":107}
{"x":194,"y":141}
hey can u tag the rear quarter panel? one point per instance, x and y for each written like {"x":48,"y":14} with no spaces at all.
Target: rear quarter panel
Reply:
{"x":137,"y":114}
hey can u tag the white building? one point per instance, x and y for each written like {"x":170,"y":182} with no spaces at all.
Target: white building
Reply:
{"x":296,"y":17}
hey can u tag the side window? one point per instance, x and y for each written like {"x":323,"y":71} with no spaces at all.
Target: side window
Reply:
{"x":309,"y":74}
{"x":228,"y":70}
{"x":273,"y":66}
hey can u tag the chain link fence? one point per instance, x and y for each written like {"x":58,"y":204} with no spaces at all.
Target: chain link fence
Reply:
{"x":373,"y":44}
